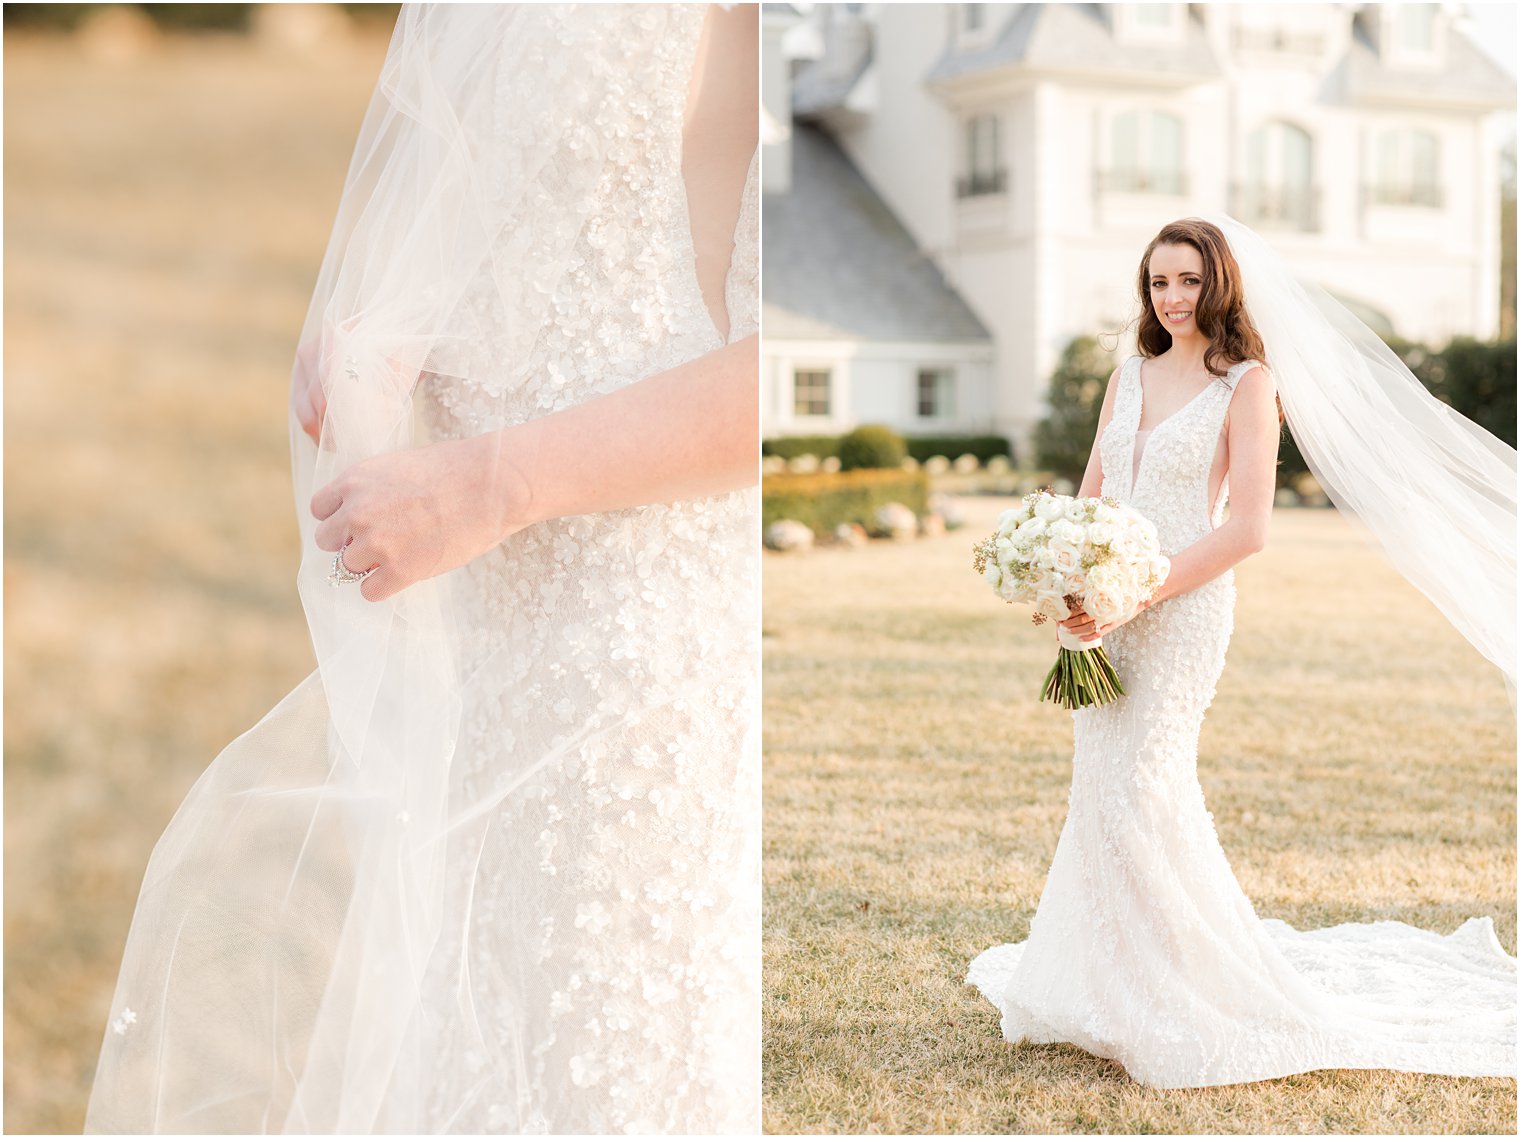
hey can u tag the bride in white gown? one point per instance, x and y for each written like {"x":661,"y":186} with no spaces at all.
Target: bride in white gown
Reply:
{"x":494,"y":866}
{"x":1144,"y":949}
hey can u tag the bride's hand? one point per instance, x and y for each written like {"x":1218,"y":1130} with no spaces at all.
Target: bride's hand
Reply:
{"x":308,"y":402}
{"x":414,"y":514}
{"x":1080,"y":625}
{"x":1085,"y":627}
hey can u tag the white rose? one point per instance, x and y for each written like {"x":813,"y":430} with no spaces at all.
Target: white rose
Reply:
{"x":1076,"y":510}
{"x":1043,"y":557}
{"x":1103,"y":605}
{"x":1052,"y":606}
{"x":994,"y":576}
{"x":1052,"y":582}
{"x":1127,"y":545}
{"x":1101,"y":533}
{"x":1104,"y":576}
{"x":1049,"y":509}
{"x":1103,"y":512}
{"x":1034,"y":527}
{"x":1160,"y":566}
{"x":1066,"y":531}
{"x":1066,"y":556}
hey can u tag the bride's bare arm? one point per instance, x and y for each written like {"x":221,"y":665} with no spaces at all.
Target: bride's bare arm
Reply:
{"x":684,"y":433}
{"x":687,"y":432}
{"x":1092,"y":478}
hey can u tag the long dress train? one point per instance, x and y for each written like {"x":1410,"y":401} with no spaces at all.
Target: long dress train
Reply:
{"x":494,"y":866}
{"x":1143,"y":948}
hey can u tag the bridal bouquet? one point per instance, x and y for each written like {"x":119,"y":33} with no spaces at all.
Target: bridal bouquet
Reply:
{"x":1061,"y":554}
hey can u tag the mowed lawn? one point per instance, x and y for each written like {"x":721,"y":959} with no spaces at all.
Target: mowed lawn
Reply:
{"x":1359,"y":761}
{"x":165,"y":217}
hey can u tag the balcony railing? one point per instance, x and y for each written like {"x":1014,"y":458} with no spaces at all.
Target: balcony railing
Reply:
{"x":1280,"y":39}
{"x":979,"y":183}
{"x":1128,"y":181}
{"x":1392,"y":193}
{"x":1290,"y":207}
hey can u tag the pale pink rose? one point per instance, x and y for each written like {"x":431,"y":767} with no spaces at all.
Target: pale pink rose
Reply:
{"x":1104,"y":605}
{"x":1052,"y":606}
{"x":1066,"y":556}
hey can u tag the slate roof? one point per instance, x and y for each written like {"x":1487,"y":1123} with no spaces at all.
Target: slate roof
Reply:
{"x":840,"y":266}
{"x":1467,"y":76}
{"x":1078,"y":37}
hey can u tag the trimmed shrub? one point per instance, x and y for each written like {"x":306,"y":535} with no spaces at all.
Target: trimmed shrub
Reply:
{"x":920,"y":447}
{"x":1063,"y":439}
{"x":985,"y":447}
{"x":823,"y":502}
{"x":790,"y":446}
{"x":871,"y":447}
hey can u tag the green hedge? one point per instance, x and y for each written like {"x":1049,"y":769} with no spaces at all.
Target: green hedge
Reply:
{"x":919,"y":446}
{"x":823,"y":501}
{"x":953,"y":446}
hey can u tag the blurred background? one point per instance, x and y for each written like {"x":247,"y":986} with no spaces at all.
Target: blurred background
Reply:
{"x":957,"y":196}
{"x":171,"y":174}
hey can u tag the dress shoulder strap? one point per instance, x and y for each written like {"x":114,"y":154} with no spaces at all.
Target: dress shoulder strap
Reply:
{"x":1232,"y":377}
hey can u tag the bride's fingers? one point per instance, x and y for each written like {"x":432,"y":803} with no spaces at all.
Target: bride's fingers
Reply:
{"x":325,"y":502}
{"x":332,"y":534}
{"x":379,"y":585}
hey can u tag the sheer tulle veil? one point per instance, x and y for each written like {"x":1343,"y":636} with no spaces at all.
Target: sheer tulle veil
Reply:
{"x":272,"y":978}
{"x":1436,"y":490}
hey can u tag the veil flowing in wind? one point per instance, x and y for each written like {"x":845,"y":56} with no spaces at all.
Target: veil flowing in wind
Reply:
{"x":296,"y":947}
{"x":1435,"y":489}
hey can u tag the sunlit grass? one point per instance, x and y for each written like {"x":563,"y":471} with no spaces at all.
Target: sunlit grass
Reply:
{"x":1359,"y":761}
{"x":164,"y":220}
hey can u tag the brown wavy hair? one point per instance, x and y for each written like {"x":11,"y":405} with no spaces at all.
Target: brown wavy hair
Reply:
{"x":1220,"y":312}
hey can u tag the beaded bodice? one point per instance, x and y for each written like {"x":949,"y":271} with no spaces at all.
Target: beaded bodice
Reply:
{"x":1169,"y":481}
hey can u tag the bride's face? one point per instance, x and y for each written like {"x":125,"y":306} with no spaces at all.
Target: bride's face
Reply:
{"x":1176,"y":283}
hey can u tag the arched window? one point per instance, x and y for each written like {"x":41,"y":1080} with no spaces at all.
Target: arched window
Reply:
{"x":1279,"y":177}
{"x":1146,"y":153}
{"x":1406,"y":168}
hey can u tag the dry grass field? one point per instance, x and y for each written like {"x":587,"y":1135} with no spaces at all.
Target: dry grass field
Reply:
{"x":164,"y":219}
{"x":1359,"y":761}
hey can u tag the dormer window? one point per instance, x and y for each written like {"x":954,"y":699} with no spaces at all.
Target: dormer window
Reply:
{"x":1414,"y":28}
{"x":973,"y":28}
{"x":1412,"y":35}
{"x":1149,"y":23}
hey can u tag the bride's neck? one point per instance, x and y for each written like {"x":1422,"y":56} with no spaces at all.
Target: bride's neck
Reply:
{"x":1186,"y":353}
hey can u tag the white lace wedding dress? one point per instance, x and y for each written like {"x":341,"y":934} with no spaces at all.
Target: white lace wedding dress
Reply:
{"x":1144,"y":949}
{"x":495,"y":867}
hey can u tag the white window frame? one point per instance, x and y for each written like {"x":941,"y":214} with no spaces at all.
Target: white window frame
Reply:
{"x":831,"y":390}
{"x":1145,"y":169}
{"x":946,"y":391}
{"x":1406,"y":187}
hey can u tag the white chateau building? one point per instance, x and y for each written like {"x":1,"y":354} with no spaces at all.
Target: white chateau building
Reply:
{"x":955,"y":191}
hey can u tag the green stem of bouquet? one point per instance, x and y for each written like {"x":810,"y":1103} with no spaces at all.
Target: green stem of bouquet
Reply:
{"x":1082,"y":679}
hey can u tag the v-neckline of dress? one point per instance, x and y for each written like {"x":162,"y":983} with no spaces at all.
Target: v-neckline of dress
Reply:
{"x":1137,"y":466}
{"x":1140,"y":399}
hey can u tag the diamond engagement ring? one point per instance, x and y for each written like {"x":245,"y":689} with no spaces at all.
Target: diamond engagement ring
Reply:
{"x":342,"y":575}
